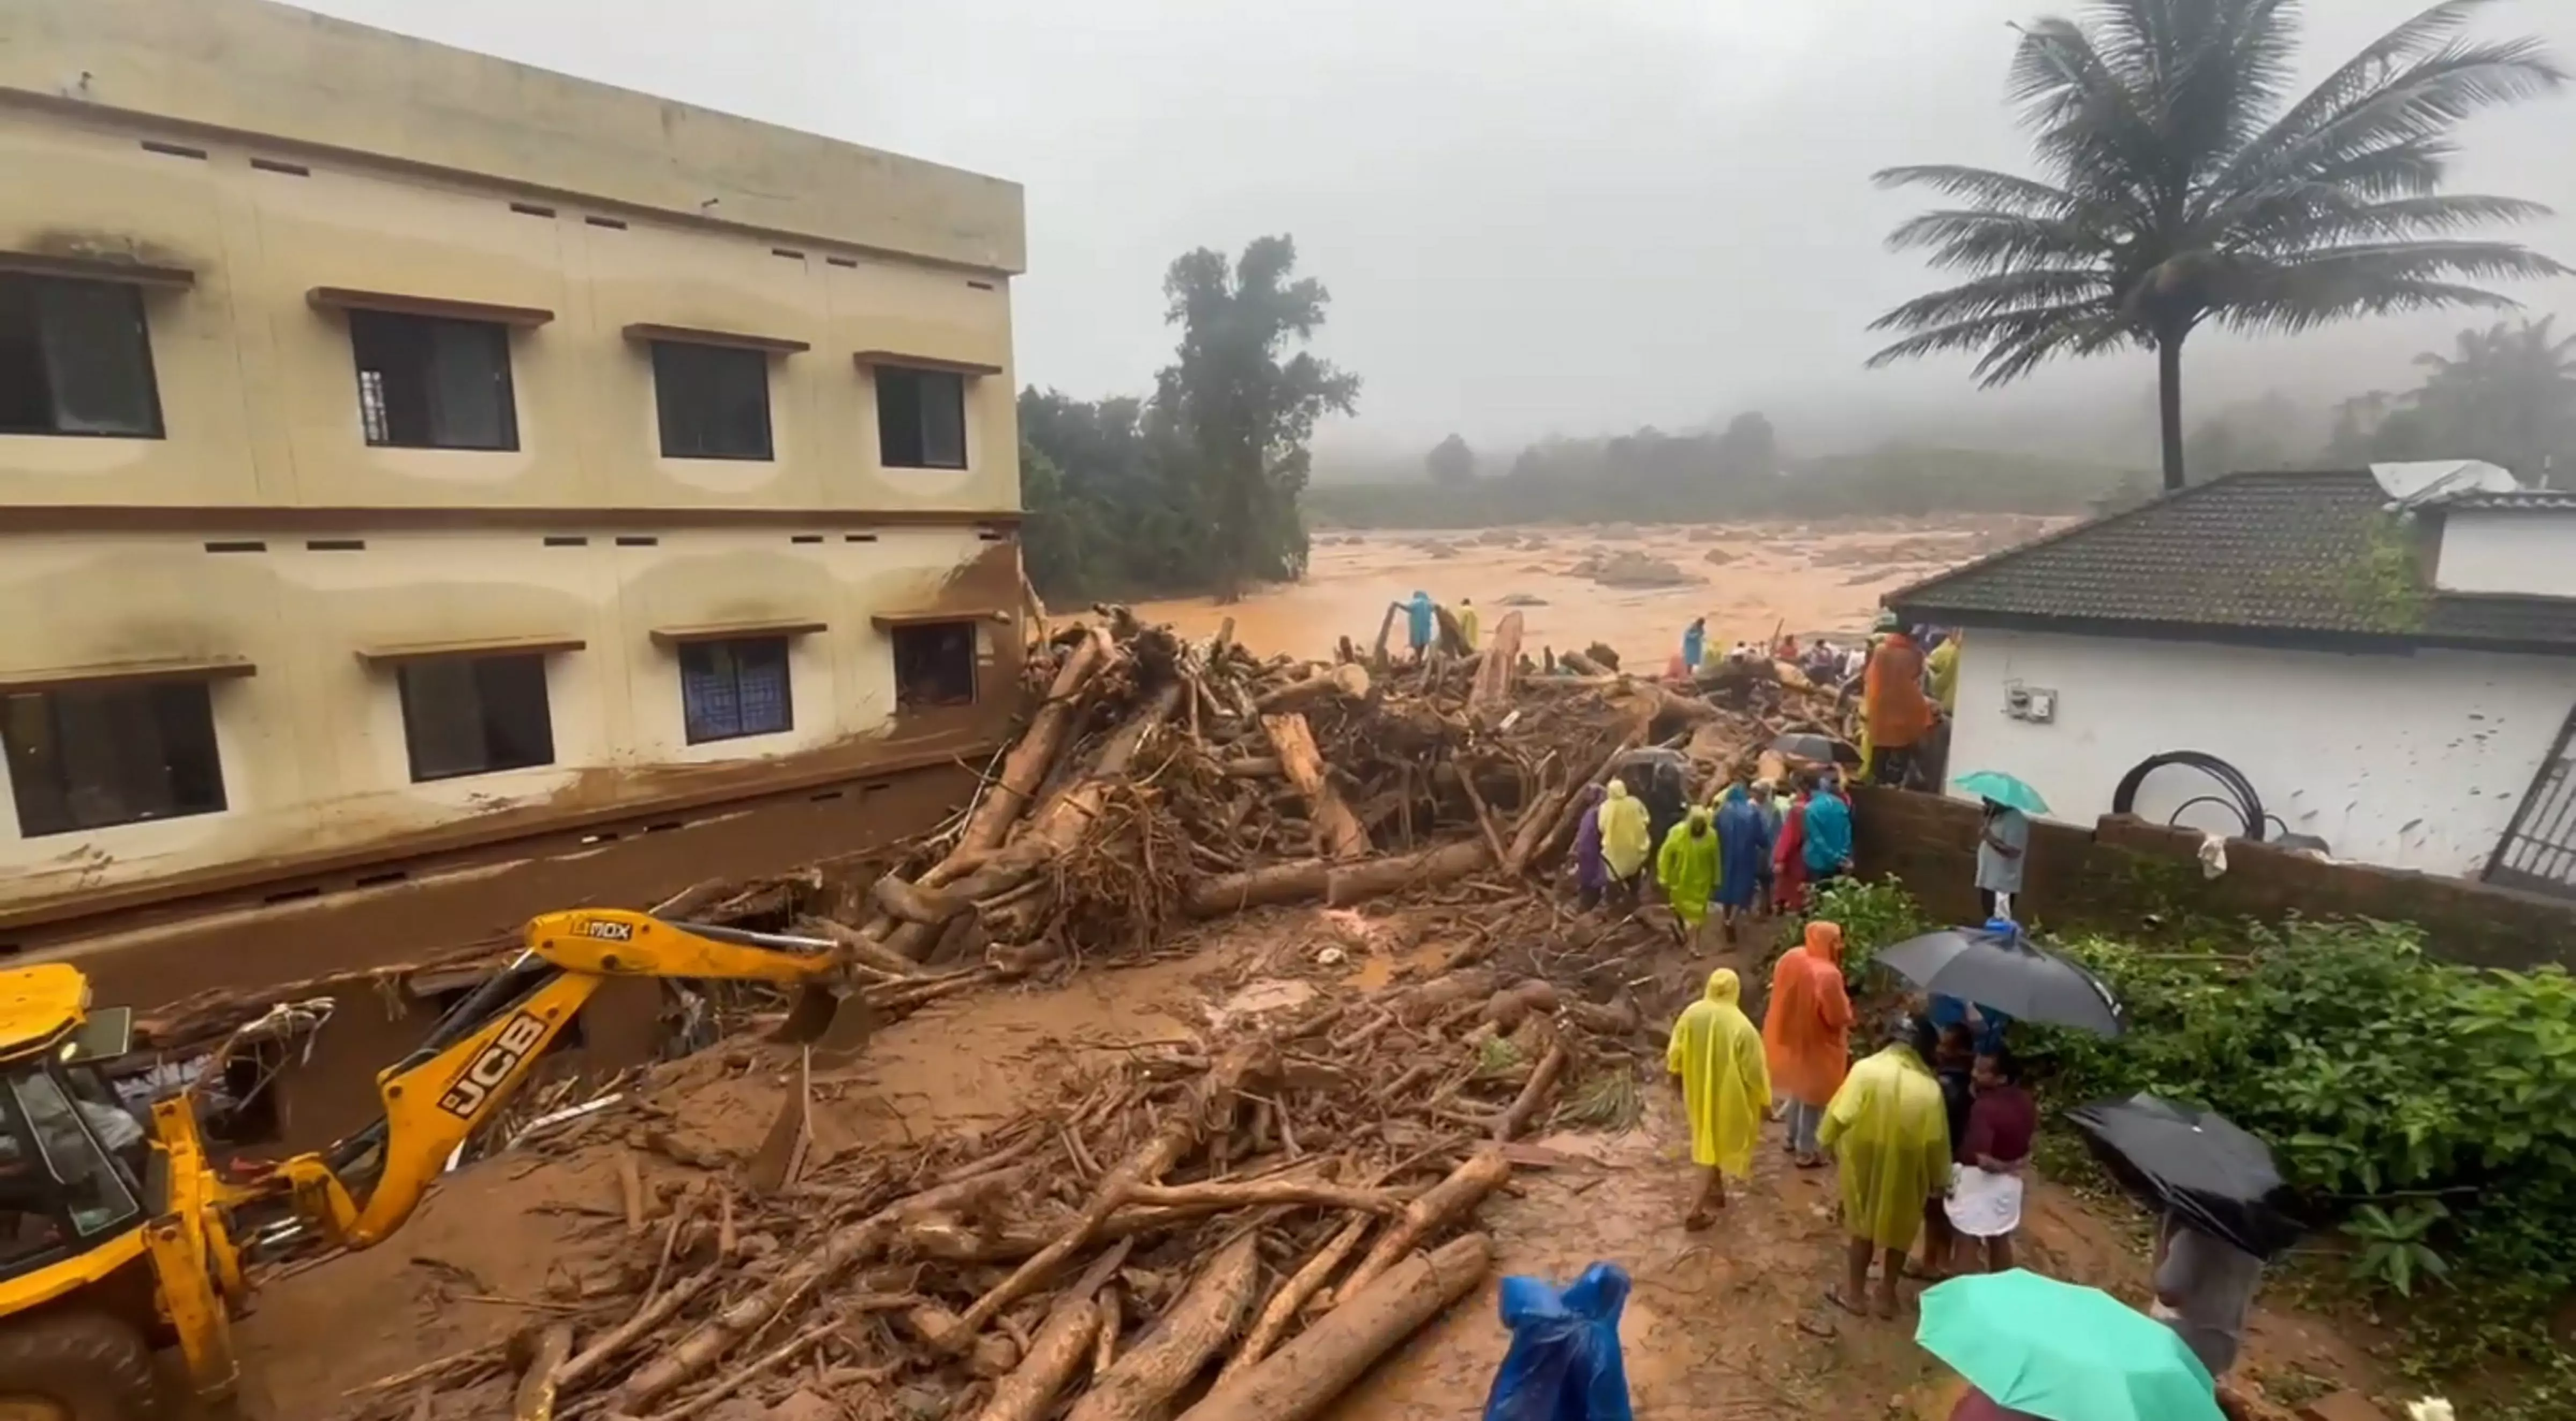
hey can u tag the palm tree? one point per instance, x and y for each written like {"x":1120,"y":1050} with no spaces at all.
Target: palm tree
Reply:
{"x":2506,"y":394}
{"x":2179,"y":190}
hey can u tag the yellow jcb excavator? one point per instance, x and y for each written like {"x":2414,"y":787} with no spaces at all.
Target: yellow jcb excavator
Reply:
{"x":116,"y":1237}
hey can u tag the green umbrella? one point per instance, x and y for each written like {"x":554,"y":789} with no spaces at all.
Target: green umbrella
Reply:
{"x":2063,"y":1352}
{"x":2006,"y":790}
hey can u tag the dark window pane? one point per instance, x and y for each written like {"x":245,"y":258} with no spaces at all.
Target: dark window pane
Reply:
{"x":89,"y":759}
{"x":921,"y":418}
{"x":734,"y":688}
{"x":934,"y":665}
{"x":473,"y":715}
{"x":713,"y":401}
{"x":425,"y":382}
{"x":75,"y":359}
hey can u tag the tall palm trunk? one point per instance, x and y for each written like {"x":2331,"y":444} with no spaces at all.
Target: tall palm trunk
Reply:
{"x":2169,"y":405}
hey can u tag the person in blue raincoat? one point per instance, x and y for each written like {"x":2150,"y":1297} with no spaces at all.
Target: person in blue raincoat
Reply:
{"x":1421,"y":622}
{"x":1564,"y":1362}
{"x":1828,"y":831}
{"x":1744,"y":856}
{"x":1694,"y":644}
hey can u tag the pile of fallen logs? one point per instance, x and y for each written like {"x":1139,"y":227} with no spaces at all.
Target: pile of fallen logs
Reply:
{"x":1157,"y":780}
{"x":1228,"y":1230}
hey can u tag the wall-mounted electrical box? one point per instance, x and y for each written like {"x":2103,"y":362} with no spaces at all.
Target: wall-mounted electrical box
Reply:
{"x":2036,"y":704}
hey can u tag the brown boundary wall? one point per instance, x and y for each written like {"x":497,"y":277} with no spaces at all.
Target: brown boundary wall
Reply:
{"x":2124,"y":874}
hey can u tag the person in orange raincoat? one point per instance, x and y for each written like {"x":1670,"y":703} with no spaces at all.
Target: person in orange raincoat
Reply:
{"x":1806,"y":1034}
{"x":1895,"y":713}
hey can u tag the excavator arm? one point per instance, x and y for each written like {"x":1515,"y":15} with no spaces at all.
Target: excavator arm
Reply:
{"x":362,"y":1189}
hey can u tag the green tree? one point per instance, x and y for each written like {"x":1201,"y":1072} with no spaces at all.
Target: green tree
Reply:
{"x":2506,"y":394}
{"x":1242,"y":406}
{"x":2179,"y":190}
{"x":1451,"y":462}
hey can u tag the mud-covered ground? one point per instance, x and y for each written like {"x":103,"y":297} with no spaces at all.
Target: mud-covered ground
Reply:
{"x":1729,"y":1323}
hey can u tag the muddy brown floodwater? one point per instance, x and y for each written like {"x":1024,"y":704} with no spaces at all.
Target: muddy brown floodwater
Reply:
{"x":1748,"y":579}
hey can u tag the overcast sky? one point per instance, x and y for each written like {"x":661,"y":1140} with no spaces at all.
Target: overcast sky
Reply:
{"x":1534,"y":215}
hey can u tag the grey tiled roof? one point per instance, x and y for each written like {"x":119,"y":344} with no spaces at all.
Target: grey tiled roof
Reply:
{"x":2301,"y":557}
{"x":2551,"y":499}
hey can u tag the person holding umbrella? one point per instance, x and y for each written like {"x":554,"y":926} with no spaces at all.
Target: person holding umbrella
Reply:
{"x":1889,"y":1133}
{"x":2034,"y":1347}
{"x":2224,"y":1204}
{"x":2003,"y":842}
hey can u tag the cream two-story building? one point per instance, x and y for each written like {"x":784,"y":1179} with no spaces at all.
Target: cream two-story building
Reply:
{"x":404,"y":453}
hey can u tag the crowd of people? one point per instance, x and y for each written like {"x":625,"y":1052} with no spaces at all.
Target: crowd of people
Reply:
{"x":1930,"y":1135}
{"x":1751,"y":851}
{"x":1906,"y":680}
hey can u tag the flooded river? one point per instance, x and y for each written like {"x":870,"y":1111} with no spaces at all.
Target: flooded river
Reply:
{"x":1748,"y":579}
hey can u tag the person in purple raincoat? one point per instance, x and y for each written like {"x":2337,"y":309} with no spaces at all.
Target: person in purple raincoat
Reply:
{"x":1591,"y":875}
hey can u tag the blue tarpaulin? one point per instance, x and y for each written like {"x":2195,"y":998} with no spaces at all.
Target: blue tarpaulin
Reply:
{"x":1564,"y":1361}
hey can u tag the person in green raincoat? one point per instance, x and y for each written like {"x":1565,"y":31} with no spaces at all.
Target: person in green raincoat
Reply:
{"x":1888,"y":1130}
{"x":1686,"y":868}
{"x":1626,"y":841}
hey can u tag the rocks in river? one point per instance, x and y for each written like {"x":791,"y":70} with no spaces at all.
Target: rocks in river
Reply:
{"x":1521,"y":599}
{"x":1628,"y":569}
{"x":1719,"y":557}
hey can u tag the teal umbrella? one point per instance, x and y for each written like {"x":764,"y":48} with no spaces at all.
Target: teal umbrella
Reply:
{"x":2063,"y":1352}
{"x":2006,"y":790}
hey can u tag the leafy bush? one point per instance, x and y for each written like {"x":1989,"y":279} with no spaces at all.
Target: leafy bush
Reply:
{"x":1873,"y":913}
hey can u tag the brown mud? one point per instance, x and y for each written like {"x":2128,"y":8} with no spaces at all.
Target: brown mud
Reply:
{"x":1751,"y":580}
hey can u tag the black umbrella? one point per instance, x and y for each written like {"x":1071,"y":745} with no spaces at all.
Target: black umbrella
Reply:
{"x":1822,"y":749}
{"x":2197,"y":1164}
{"x":2002,"y":971}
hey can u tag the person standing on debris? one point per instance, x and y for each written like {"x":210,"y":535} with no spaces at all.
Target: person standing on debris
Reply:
{"x":1589,"y":874}
{"x":1421,"y":622}
{"x":1942,"y":665}
{"x":1686,"y":869}
{"x":1626,"y":840}
{"x":1694,"y":644}
{"x":1717,"y":1057}
{"x":1744,"y":849}
{"x":1806,"y":1033}
{"x":1886,"y":1130}
{"x":1789,"y":850}
{"x":1468,"y":622}
{"x":1826,"y":835}
{"x":1894,"y":709}
{"x":1774,"y":805}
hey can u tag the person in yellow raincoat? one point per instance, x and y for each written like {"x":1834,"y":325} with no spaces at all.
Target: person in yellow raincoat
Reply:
{"x":1716,"y":1055}
{"x":1686,"y":868}
{"x":1626,"y":839}
{"x":1889,"y":1132}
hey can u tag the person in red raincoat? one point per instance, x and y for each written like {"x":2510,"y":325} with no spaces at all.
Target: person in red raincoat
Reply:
{"x":1789,"y":852}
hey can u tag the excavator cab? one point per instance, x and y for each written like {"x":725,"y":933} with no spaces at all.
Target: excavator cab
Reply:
{"x":108,"y":1241}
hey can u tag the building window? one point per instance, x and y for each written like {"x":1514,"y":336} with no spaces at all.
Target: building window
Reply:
{"x":729,"y":689}
{"x":713,"y":399}
{"x":430,"y":382}
{"x":921,"y":418}
{"x":93,"y":758}
{"x":75,"y":359}
{"x":934,"y":665}
{"x":473,"y":715}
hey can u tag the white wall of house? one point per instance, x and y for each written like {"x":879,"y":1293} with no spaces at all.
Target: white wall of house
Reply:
{"x":2414,"y":761}
{"x":2526,"y":551}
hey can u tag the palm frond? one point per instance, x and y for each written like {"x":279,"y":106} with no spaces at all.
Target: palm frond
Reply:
{"x":2002,"y":294}
{"x":1996,"y":192}
{"x":1968,"y":240}
{"x":2371,"y":279}
{"x":2014,"y":344}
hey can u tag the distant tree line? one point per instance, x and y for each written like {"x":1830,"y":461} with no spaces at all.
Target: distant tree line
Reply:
{"x":1736,"y":472}
{"x":1195,"y":488}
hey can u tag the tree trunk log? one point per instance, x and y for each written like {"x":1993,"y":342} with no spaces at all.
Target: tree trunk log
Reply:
{"x":1064,"y":1342}
{"x":1305,"y":1376}
{"x":1257,"y":1192}
{"x":1033,"y":754}
{"x":1501,"y":666}
{"x":1534,"y":1095}
{"x":1139,"y":1385}
{"x":1337,"y":885}
{"x":1056,"y":828}
{"x":1453,"y":1198}
{"x":1303,"y":764}
{"x":1280,"y":1313}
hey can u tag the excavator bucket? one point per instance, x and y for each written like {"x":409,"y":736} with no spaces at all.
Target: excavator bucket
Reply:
{"x":829,"y":1019}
